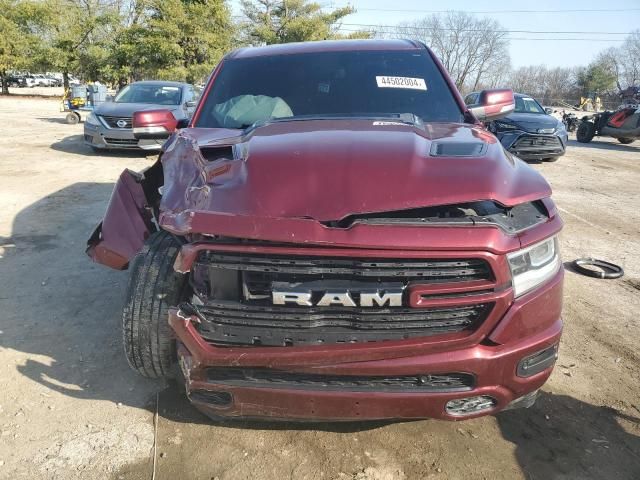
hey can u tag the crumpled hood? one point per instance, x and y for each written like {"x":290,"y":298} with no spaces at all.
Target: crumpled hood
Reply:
{"x":326,"y":170}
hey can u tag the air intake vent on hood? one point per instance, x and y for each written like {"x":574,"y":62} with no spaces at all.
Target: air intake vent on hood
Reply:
{"x":216,"y":153}
{"x":458,"y":149}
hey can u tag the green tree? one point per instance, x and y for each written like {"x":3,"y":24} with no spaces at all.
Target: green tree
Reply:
{"x":596,"y":78}
{"x":283,"y":21}
{"x":73,"y":27}
{"x":19,"y":25}
{"x":198,"y":32}
{"x":170,"y":39}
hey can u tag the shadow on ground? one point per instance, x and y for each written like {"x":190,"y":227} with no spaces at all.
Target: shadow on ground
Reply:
{"x":561,"y":437}
{"x":61,"y":120}
{"x":75,"y":144}
{"x":64,"y":312}
{"x":602,"y":145}
{"x":60,"y":307}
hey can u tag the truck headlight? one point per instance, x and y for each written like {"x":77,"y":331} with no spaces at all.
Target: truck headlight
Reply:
{"x":534,"y":265}
{"x":92,"y":119}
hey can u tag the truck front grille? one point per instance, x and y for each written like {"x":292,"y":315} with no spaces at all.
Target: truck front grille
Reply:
{"x":239,"y":324}
{"x":233,"y":298}
{"x":406,"y":269}
{"x":268,"y":378}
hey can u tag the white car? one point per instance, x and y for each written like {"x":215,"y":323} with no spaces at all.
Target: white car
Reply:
{"x":31,"y":81}
{"x":43,"y":81}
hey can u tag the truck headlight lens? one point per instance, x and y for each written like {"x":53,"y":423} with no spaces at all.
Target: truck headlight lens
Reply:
{"x":534,"y":265}
{"x":92,"y":119}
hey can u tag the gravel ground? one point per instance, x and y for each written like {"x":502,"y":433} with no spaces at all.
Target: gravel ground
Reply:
{"x":71,"y":408}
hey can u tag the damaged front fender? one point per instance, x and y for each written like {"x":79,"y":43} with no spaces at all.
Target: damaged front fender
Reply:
{"x":129,"y":219}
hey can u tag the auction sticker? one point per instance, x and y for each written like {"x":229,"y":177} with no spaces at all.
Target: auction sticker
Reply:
{"x":401,"y":82}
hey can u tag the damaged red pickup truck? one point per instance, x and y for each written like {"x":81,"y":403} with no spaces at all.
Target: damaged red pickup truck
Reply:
{"x":335,"y":236}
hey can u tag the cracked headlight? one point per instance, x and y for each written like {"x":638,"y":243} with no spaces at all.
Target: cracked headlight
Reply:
{"x":534,"y":265}
{"x":92,"y":119}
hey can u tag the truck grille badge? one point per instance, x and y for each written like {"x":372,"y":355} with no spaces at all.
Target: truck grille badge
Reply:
{"x":342,"y":298}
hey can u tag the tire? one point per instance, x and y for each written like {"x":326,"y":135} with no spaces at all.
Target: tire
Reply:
{"x":626,"y":141}
{"x":586,"y":132}
{"x":72,"y":118}
{"x":153,"y":287}
{"x":551,"y":159}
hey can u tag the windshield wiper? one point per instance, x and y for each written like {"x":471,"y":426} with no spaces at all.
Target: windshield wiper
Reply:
{"x":407,"y":118}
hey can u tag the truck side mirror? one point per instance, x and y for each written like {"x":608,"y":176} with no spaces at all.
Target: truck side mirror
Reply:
{"x":154,"y":124}
{"x":493,"y":104}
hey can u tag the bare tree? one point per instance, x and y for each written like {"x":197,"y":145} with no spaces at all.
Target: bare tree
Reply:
{"x":630,"y":60}
{"x":548,"y":85}
{"x":472,"y":49}
{"x":623,"y":62}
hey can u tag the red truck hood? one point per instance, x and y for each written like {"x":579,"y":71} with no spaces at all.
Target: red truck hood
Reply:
{"x":326,"y":170}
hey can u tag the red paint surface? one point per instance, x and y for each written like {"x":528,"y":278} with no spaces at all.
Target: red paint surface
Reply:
{"x":283,"y":181}
{"x":494,"y":366}
{"x":328,"y":169}
{"x":126,"y":225}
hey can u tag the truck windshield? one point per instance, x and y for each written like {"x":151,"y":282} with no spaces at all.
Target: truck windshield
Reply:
{"x":368,"y":84}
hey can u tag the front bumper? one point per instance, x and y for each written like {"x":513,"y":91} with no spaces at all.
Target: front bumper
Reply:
{"x":121,"y":139}
{"x":528,"y":146}
{"x":531,"y":324}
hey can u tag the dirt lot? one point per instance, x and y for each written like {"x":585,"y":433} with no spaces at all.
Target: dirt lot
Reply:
{"x":38,"y":91}
{"x":71,"y":408}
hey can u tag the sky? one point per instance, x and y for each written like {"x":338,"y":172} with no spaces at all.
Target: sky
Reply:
{"x":612,"y":16}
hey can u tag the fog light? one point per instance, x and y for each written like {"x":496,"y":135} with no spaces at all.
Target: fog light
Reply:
{"x":537,"y":362}
{"x":470,"y":405}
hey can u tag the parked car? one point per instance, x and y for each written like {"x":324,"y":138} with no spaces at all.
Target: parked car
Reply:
{"x":335,"y":235}
{"x":44,"y":81}
{"x":109,"y":126}
{"x":53,"y":81}
{"x":31,"y":80}
{"x":530,"y":132}
{"x":16,"y":81}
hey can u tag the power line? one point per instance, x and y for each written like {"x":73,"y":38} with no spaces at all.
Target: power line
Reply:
{"x":582,"y":10}
{"x":410,"y":27}
{"x":534,"y":39}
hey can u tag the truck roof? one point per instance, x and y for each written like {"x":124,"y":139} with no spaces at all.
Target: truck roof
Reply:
{"x":325,"y":46}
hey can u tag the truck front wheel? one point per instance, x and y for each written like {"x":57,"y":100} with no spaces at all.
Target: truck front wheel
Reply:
{"x":626,"y":141}
{"x":153,"y":287}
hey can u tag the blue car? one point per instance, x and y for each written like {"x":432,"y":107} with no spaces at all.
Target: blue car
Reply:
{"x":529,"y":132}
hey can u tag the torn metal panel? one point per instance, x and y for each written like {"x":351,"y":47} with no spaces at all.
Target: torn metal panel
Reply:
{"x":128,"y":220}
